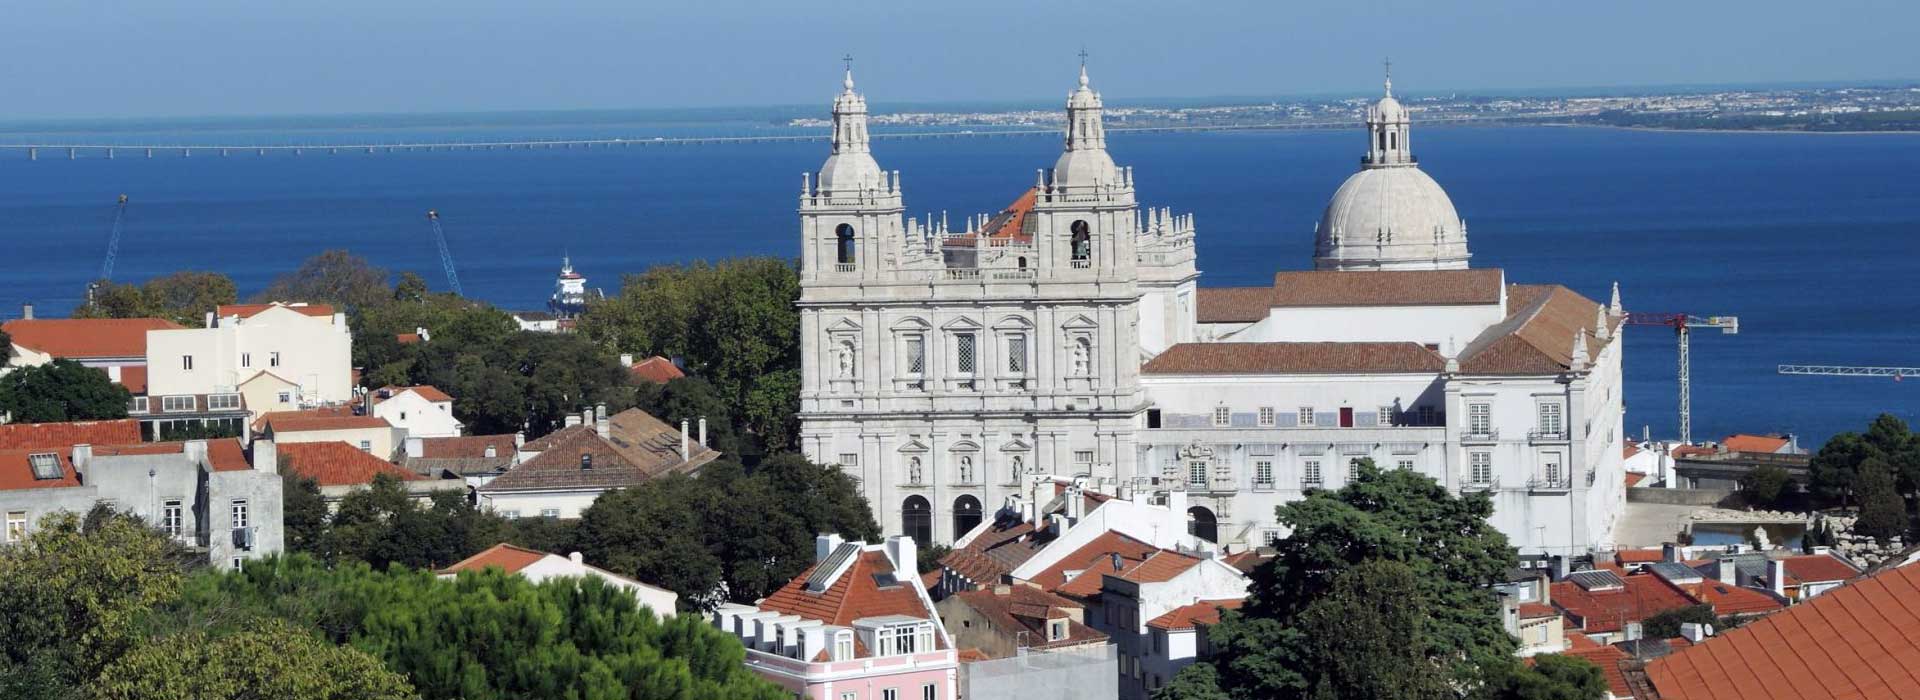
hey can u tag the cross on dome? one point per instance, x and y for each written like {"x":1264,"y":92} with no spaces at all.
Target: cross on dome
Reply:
{"x":1389,"y":64}
{"x":848,"y":83}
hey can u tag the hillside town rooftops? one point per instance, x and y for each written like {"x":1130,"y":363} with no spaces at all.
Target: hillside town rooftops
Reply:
{"x":1608,"y":608}
{"x":867,"y":588}
{"x":65,"y":435}
{"x":86,"y":338}
{"x":223,"y":455}
{"x":1016,"y":609}
{"x":337,"y":464}
{"x":636,"y":448}
{"x":1186,"y":617}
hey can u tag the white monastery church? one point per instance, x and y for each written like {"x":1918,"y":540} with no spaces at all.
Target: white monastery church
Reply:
{"x":1067,"y":335}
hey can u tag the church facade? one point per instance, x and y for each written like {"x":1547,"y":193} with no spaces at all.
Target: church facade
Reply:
{"x":1066,"y":335}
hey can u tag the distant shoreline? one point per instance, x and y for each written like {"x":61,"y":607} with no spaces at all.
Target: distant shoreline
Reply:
{"x":1657,"y":129}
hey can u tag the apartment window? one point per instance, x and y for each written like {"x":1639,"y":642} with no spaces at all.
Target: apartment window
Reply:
{"x":1267,"y":416}
{"x":1222,"y":416}
{"x":890,"y":694}
{"x":549,"y":512}
{"x":510,"y":514}
{"x":1310,"y":472}
{"x":246,"y":359}
{"x":170,"y":519}
{"x":239,"y":510}
{"x":916,"y":355}
{"x":1306,"y":416}
{"x":848,"y":695}
{"x":286,"y":397}
{"x":842,"y":646}
{"x":905,"y":639}
{"x":1426,"y":415}
{"x":1017,"y":354}
{"x":1353,"y":470}
{"x":223,"y":402}
{"x":16,"y":525}
{"x":927,"y":692}
{"x":186,"y":362}
{"x":1083,"y":456}
{"x":1263,"y":472}
{"x":963,"y":353}
{"x":1197,"y":473}
{"x":1406,"y":464}
{"x":139,"y":404}
{"x":1551,"y":416}
{"x":237,"y":561}
{"x":366,"y":445}
{"x":1480,"y":466}
{"x":1552,"y":468}
{"x":849,"y":459}
{"x":1479,"y":418}
{"x":1269,"y":537}
{"x":273,"y":359}
{"x":1385,"y":416}
{"x":176,"y":404}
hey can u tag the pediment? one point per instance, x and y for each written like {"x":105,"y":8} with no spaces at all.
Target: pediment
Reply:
{"x":1079,"y":322}
{"x":1016,"y":445}
{"x":845,"y":325}
{"x":961,"y":324}
{"x":914,"y":446}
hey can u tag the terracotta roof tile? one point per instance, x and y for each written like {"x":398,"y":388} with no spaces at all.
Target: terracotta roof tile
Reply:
{"x":86,"y":337}
{"x":1609,"y":610}
{"x":249,"y":310}
{"x":854,"y":595}
{"x":1818,"y":568}
{"x":1027,"y":609}
{"x":1755,"y":443}
{"x":1729,"y":599}
{"x":223,"y":455}
{"x":1011,"y":223}
{"x":298,"y":422}
{"x":1232,"y":304}
{"x":1097,"y":554}
{"x":425,"y":391}
{"x":995,"y":553}
{"x":1538,"y":334}
{"x":1858,"y":642}
{"x":656,"y":370}
{"x":1634,"y":478}
{"x":60,"y":436}
{"x":1610,"y":660}
{"x":1387,"y":288}
{"x":1531,"y":611}
{"x":1163,"y":566}
{"x":506,"y":557}
{"x":341,"y":411}
{"x":16,"y":470}
{"x":134,"y":378}
{"x":337,"y":463}
{"x":1638,"y":556}
{"x":1295,"y":358}
{"x":467,"y":446}
{"x":1186,"y":617}
{"x":407,"y":338}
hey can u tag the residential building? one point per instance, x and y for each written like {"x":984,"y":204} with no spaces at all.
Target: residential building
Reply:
{"x":1066,"y":334}
{"x":340,"y":468}
{"x":159,"y":416}
{"x":204,"y":493}
{"x":536,"y":566}
{"x":421,"y":411}
{"x":280,"y":356}
{"x":653,"y":370}
{"x":561,"y":474}
{"x":1003,"y":621}
{"x":112,"y":344}
{"x":1527,"y":609}
{"x":1608,"y":607}
{"x":372,"y":434}
{"x":475,"y":458}
{"x":857,"y":625}
{"x":1855,"y":641}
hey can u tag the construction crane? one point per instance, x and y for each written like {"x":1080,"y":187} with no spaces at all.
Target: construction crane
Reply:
{"x":1682,"y":325}
{"x":1844,"y":371}
{"x":113,"y":240}
{"x":446,"y":258}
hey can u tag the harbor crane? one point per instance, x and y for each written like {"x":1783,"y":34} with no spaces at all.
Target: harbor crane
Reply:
{"x":446,"y":257}
{"x":113,"y":240}
{"x":1845,"y":371}
{"x":1682,"y":325}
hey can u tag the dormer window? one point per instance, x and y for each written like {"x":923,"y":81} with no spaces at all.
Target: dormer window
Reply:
{"x":46,"y":466}
{"x":586,"y":462}
{"x":1056,"y":630}
{"x":909,"y":638}
{"x":843,"y":645}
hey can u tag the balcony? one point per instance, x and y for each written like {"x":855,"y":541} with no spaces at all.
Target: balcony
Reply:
{"x":1082,"y":264}
{"x":1492,"y":484}
{"x":1480,"y":434}
{"x":1549,"y":484}
{"x":1544,"y":436}
{"x":844,"y":267}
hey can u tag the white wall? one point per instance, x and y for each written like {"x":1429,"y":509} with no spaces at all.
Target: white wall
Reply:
{"x":380,"y":441}
{"x":315,"y":352}
{"x":529,"y":505}
{"x":660,"y":600}
{"x":418,"y":416}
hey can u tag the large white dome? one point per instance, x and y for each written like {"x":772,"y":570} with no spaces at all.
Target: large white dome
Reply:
{"x":1390,"y":218}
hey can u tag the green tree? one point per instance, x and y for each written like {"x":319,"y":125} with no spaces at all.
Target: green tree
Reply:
{"x":1836,"y":468}
{"x":1553,"y":677}
{"x":691,"y":399}
{"x":1765,"y":484}
{"x":1666,"y":623}
{"x":1365,"y":639}
{"x":1883,"y":513}
{"x":6,"y":346}
{"x":181,"y":297}
{"x":274,"y":660}
{"x":1393,"y":515}
{"x":183,"y":430}
{"x":114,"y":300}
{"x":1200,"y":681}
{"x":658,"y":532}
{"x":382,"y":525}
{"x":303,"y":511}
{"x":335,"y":277}
{"x":72,"y":595}
{"x":411,"y":287}
{"x":59,"y":391}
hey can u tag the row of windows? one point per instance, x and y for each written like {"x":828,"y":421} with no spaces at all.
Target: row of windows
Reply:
{"x":544,"y":513}
{"x":928,"y":691}
{"x":186,"y":403}
{"x":246,"y":360}
{"x":1268,"y":416}
{"x":1263,"y":473}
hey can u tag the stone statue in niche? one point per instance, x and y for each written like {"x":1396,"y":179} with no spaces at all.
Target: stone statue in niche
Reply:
{"x":1082,"y":357}
{"x":913,"y":470}
{"x":966,"y":469}
{"x":1016,"y":466}
{"x":844,"y":357}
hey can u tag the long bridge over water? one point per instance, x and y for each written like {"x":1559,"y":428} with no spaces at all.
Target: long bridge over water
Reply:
{"x":77,"y":150}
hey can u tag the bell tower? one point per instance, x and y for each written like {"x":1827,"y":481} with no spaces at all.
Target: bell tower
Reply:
{"x":1087,"y":213}
{"x":850,"y":210}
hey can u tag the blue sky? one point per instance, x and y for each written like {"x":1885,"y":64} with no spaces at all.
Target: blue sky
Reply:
{"x":232,"y":57}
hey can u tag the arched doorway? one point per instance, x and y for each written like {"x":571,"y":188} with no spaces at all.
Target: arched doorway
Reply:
{"x":844,"y":236}
{"x":1202,"y":524}
{"x":916,"y":521}
{"x":966,"y":515}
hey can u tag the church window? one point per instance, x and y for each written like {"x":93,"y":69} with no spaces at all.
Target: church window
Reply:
{"x":1222,"y":416}
{"x":1306,"y":416}
{"x":1480,"y":466}
{"x":1383,"y":140}
{"x":1393,"y":141}
{"x":843,"y":239}
{"x":1082,"y":242}
{"x":1267,"y":416}
{"x":849,"y":459}
{"x":916,"y":355}
{"x":1310,"y":472}
{"x":963,"y":345}
{"x":1016,"y":354}
{"x":1197,"y":473}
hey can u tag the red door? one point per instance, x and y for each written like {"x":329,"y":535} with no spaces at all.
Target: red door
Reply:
{"x":1346,"y":417}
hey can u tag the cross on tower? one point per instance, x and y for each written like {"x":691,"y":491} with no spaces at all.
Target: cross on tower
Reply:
{"x":848,"y":59}
{"x":1083,"y":57}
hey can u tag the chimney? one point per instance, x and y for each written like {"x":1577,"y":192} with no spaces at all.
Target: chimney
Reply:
{"x":417,"y":447}
{"x":490,"y":452}
{"x":1562,"y":565}
{"x":1729,"y":571}
{"x":573,"y":419}
{"x":601,"y":421}
{"x":1634,"y":631}
{"x":577,"y":559}
{"x":1670,"y":552}
{"x":824,"y":545}
{"x":82,"y":458}
{"x":1034,"y":485}
{"x":113,"y":373}
{"x":1777,"y":577}
{"x":905,"y":554}
{"x":266,"y":457}
{"x":195,"y":451}
{"x":1695,"y":632}
{"x":1076,"y":502}
{"x":684,"y":453}
{"x":626,"y":359}
{"x":424,"y":335}
{"x":26,"y":311}
{"x":586,"y":416}
{"x":703,"y":431}
{"x":210,"y":319}
{"x":519,"y":440}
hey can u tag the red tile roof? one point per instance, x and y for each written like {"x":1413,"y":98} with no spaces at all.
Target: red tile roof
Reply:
{"x":1027,"y":609}
{"x":1818,"y":568}
{"x":249,"y":310}
{"x":1010,"y":224}
{"x":322,"y":419}
{"x":1755,"y":443}
{"x":86,"y":337}
{"x":425,"y":391}
{"x":407,"y":338}
{"x":337,"y":463}
{"x":1634,"y":478}
{"x":996,"y":552}
{"x":260,"y":424}
{"x":854,"y":595}
{"x":506,"y":557}
{"x":134,"y":379}
{"x":466,"y":446}
{"x":223,"y":455}
{"x":1610,"y":659}
{"x":1537,"y":337}
{"x":1387,"y":288}
{"x":1858,"y":642}
{"x":1186,"y":617}
{"x":1295,"y":358}
{"x":1530,"y":611}
{"x":1609,"y":610}
{"x":1232,"y":304}
{"x":1729,"y":599}
{"x":1638,"y":556}
{"x":1096,"y":554}
{"x":656,"y":369}
{"x":61,"y":436}
{"x":1628,"y":450}
{"x":16,"y":470}
{"x":1161,"y":567}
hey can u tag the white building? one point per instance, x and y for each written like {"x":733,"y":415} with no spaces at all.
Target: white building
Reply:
{"x":536,"y":566}
{"x":278,"y":356}
{"x":1065,"y":335}
{"x":421,"y":411}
